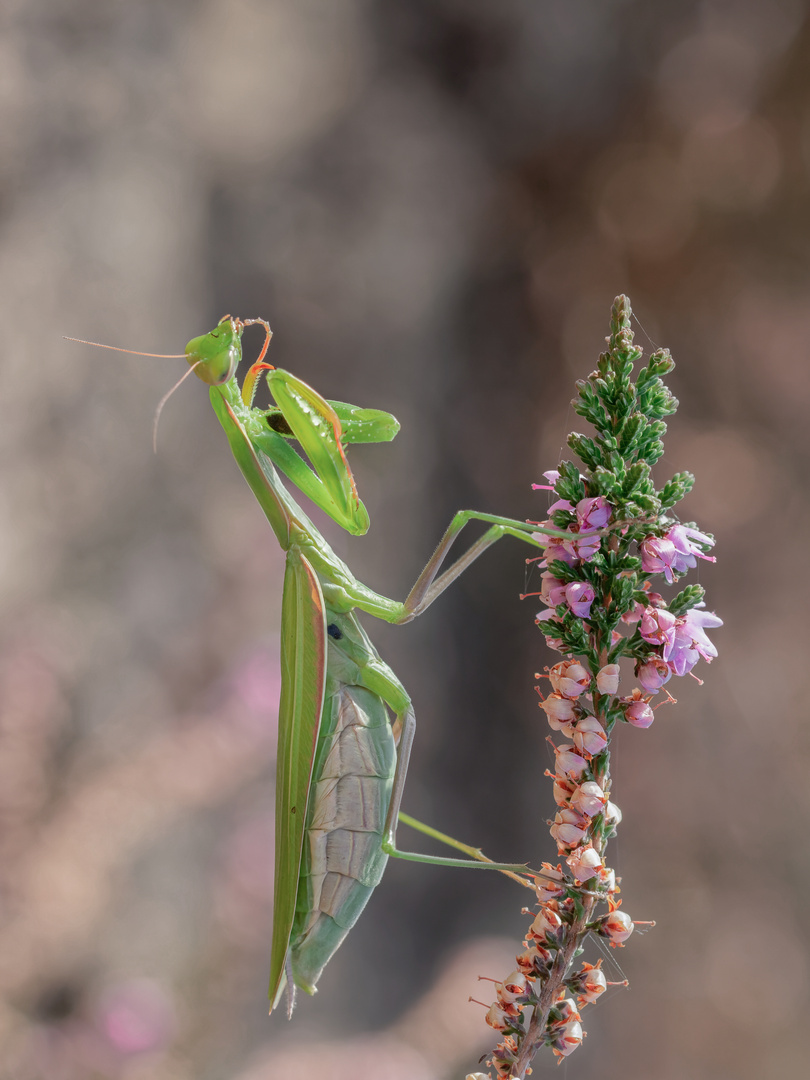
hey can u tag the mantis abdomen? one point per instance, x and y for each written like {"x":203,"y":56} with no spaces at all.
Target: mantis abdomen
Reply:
{"x":343,"y":860}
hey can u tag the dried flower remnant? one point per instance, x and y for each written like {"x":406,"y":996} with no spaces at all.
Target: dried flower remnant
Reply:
{"x":600,"y":608}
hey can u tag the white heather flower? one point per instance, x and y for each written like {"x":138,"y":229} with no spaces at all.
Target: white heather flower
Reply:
{"x":567,"y":1011}
{"x":547,"y":921}
{"x":568,"y":1039}
{"x":589,"y":798}
{"x":512,"y":987}
{"x":589,"y":736}
{"x":497,"y":1017}
{"x":569,"y":678}
{"x":616,"y":927}
{"x":607,"y":679}
{"x":534,"y":959}
{"x":613,"y":814}
{"x":593,"y":984}
{"x":584,"y":863}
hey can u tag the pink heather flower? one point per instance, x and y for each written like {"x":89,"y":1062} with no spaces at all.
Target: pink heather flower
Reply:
{"x":589,"y":736}
{"x":593,"y":513}
{"x":688,"y":642}
{"x":687,"y":541}
{"x":654,"y":600}
{"x":634,"y":614}
{"x":556,"y":548}
{"x":652,"y":674}
{"x":552,"y":475}
{"x":569,"y":678}
{"x":586,"y":545}
{"x":584,"y":863}
{"x":589,"y":798}
{"x":579,"y":596}
{"x":561,"y":504}
{"x":675,"y":552}
{"x":569,"y":763}
{"x":657,"y":556}
{"x":549,"y":617}
{"x":607,"y":679}
{"x":657,"y":625}
{"x":639,"y":714}
{"x":616,"y":927}
{"x":552,"y":591}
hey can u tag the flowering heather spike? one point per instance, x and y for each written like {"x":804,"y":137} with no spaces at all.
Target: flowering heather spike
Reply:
{"x":600,"y":607}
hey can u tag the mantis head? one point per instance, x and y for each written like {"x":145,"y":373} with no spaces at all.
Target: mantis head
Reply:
{"x":217,"y":353}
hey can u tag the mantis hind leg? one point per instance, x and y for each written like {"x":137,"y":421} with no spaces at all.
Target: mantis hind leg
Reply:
{"x":379,"y":678}
{"x":389,"y":845}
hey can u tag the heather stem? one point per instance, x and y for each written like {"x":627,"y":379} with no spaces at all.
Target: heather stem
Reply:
{"x":536,"y":1031}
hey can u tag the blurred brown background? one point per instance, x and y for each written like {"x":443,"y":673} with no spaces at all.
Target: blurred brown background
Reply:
{"x":434,"y":203}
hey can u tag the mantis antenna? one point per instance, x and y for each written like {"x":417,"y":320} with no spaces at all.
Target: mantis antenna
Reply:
{"x":134,"y":352}
{"x":158,"y":356}
{"x":165,"y":398}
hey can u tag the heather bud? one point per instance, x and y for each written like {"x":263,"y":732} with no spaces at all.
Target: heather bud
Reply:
{"x":639,"y":714}
{"x":652,"y":674}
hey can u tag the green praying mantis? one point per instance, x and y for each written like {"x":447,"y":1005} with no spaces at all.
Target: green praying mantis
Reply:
{"x":341,"y":763}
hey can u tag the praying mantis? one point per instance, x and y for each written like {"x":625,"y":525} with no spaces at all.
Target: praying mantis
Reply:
{"x":341,"y":763}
